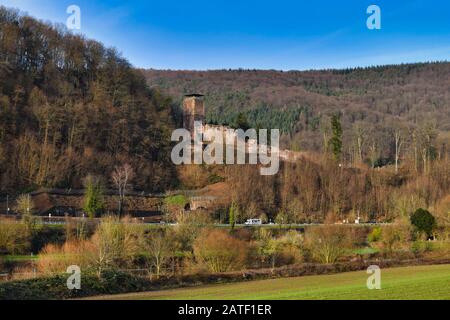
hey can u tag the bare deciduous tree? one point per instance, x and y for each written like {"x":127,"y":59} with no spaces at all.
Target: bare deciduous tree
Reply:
{"x":399,"y":140}
{"x":360,"y":139}
{"x":159,"y":248}
{"x":122,"y":176}
{"x":328,"y":243}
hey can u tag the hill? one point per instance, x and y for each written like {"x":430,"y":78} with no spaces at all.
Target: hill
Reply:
{"x":373,"y":100}
{"x":71,"y":107}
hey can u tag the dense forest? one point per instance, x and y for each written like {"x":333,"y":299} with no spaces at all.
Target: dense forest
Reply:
{"x":377,"y":138}
{"x":372,"y":103}
{"x":70,"y":107}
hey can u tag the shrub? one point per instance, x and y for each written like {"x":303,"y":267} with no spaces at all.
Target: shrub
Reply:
{"x":358,"y":235}
{"x":219,"y":251}
{"x":266,"y":246}
{"x":55,"y":259}
{"x":188,"y":228}
{"x":14,"y":237}
{"x":115,"y":244}
{"x":374,"y":235}
{"x":423,"y":221}
{"x":328,"y":243}
{"x":420,"y":247}
{"x":284,"y":250}
{"x":290,"y":248}
{"x":395,"y":237}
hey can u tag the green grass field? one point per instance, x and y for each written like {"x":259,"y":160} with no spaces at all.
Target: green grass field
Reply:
{"x":418,"y":282}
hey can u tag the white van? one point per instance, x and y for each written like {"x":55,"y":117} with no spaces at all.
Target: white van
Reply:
{"x":253,"y":222}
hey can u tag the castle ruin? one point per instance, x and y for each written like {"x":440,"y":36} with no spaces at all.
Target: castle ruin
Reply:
{"x":193,"y":110}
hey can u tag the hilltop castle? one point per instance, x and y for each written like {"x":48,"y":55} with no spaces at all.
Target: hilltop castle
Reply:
{"x":194,"y":111}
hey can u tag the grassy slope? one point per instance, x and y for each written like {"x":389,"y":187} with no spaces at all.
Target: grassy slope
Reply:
{"x":420,"y":282}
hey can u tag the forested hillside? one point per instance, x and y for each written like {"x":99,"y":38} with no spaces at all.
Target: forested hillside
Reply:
{"x":395,"y":117}
{"x":70,"y":107}
{"x":372,"y":102}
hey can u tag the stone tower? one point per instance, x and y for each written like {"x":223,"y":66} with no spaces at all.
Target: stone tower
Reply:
{"x":193,"y":110}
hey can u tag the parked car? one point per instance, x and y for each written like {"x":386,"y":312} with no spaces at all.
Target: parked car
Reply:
{"x":253,"y":222}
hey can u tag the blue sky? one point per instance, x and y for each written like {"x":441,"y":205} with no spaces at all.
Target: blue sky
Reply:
{"x":286,"y":35}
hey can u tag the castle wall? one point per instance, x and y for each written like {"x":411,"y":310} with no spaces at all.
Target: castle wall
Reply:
{"x":194,"y":110}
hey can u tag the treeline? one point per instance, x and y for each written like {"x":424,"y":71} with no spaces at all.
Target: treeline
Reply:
{"x":322,"y":191}
{"x":70,"y":107}
{"x":194,"y":247}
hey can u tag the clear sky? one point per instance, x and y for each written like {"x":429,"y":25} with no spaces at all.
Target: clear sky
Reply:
{"x":276,"y":34}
